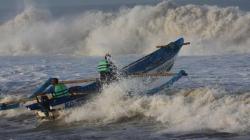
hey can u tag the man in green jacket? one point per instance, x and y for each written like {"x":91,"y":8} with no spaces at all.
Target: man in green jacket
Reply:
{"x":107,"y":70}
{"x":60,"y":89}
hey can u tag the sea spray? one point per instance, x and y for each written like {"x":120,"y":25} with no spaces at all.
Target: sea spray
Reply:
{"x":186,"y":110}
{"x":211,"y":29}
{"x":110,"y":106}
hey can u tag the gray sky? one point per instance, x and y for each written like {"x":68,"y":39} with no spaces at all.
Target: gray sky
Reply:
{"x":9,"y":8}
{"x":243,"y":4}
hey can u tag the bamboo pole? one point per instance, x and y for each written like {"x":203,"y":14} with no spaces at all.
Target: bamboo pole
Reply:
{"x":78,"y":81}
{"x":152,"y":74}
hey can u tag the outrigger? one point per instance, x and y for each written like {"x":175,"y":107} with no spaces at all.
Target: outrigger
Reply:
{"x":158,"y":63}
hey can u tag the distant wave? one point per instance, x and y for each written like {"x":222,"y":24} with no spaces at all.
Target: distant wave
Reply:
{"x":211,"y":29}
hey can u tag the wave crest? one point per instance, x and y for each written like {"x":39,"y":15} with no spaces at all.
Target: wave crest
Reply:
{"x":186,"y":110}
{"x":211,"y":29}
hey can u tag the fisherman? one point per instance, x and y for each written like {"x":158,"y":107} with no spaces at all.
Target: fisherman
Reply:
{"x":60,"y":89}
{"x":107,"y":70}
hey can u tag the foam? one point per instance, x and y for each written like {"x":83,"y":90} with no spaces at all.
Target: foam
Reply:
{"x":211,"y":29}
{"x":186,"y":110}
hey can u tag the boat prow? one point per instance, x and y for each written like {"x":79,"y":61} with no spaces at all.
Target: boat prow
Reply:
{"x":161,"y":60}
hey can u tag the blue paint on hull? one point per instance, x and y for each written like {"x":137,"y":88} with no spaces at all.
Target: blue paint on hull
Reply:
{"x":163,"y":56}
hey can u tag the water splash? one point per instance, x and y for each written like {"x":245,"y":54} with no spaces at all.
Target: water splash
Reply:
{"x":186,"y":110}
{"x":211,"y":29}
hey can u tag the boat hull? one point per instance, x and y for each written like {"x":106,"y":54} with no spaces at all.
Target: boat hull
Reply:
{"x":158,"y":61}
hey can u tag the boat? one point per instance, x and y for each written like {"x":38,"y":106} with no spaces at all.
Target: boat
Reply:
{"x":45,"y":106}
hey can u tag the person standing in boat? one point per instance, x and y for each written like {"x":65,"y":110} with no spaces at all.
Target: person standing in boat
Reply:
{"x":60,"y":89}
{"x":107,"y":69}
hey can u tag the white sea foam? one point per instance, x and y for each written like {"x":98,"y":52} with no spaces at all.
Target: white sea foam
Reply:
{"x":198,"y":109}
{"x":211,"y":29}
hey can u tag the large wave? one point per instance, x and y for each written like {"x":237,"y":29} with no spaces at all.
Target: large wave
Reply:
{"x":187,"y":110}
{"x":211,"y":29}
{"x":203,"y":108}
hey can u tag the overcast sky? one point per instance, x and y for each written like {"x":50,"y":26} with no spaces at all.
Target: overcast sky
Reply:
{"x":9,"y":8}
{"x":243,"y":4}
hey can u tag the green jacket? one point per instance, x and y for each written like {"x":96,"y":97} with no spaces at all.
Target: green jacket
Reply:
{"x":60,"y":90}
{"x":103,"y":66}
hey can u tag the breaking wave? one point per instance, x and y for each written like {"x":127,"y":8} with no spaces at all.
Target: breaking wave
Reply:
{"x":186,"y":110}
{"x":211,"y":29}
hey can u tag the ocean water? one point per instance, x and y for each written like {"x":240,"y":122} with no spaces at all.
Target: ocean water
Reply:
{"x":212,"y":102}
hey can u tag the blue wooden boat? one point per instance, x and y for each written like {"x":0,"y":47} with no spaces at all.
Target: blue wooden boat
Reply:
{"x":161,"y":60}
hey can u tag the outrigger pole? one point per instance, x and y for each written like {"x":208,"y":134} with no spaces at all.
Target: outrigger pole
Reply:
{"x":166,"y":85}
